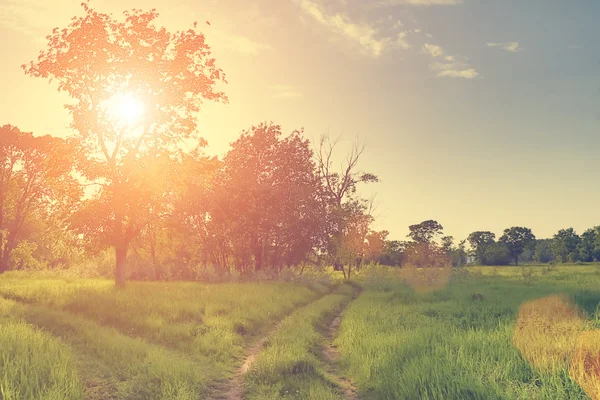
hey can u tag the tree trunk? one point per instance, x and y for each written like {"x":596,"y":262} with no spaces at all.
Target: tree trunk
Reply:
{"x":154,"y":261}
{"x":121,"y":256}
{"x":344,"y":271}
{"x":258,"y":257}
{"x":302,"y":269}
{"x":516,"y":259}
{"x":359,"y":261}
{"x":4,"y":260}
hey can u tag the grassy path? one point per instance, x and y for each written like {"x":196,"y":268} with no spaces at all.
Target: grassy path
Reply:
{"x":235,"y":386}
{"x":331,"y":354}
{"x":169,"y":341}
{"x":292,"y":362}
{"x":234,"y":390}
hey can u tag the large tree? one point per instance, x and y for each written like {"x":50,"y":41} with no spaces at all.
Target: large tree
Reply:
{"x":425,"y":232}
{"x":267,"y":199}
{"x":424,"y":251}
{"x":589,"y":247}
{"x":516,"y":239}
{"x":137,"y":89}
{"x":393,"y":253}
{"x":35,"y":182}
{"x":543,"y":253}
{"x":479,"y":242}
{"x":564,"y":245}
{"x":347,"y":213}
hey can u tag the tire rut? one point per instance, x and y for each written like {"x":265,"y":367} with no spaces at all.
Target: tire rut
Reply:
{"x":331,"y":354}
{"x":234,"y":389}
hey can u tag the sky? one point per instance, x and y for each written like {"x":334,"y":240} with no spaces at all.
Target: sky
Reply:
{"x":480,"y":114}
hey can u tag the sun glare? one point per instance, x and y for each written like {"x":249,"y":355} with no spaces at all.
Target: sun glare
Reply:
{"x":125,"y":109}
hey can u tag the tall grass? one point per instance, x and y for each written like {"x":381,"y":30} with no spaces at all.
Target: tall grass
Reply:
{"x":462,"y":341}
{"x":291,"y":365}
{"x":173,"y":340}
{"x":34,"y":365}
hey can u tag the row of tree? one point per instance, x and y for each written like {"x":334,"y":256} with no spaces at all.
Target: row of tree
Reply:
{"x":270,"y":203}
{"x":134,"y":186}
{"x":428,"y":247}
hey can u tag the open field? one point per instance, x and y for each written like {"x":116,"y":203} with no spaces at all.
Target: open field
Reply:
{"x":483,"y":333}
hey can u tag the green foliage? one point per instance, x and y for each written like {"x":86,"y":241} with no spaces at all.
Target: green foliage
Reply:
{"x":479,"y":242}
{"x":36,"y":190}
{"x":425,"y":232}
{"x":497,"y":254}
{"x":543,"y":252}
{"x":516,"y":240}
{"x":564,"y":245}
{"x":393,"y":253}
{"x":424,"y":251}
{"x":22,"y":257}
{"x":133,"y":164}
{"x":589,"y":247}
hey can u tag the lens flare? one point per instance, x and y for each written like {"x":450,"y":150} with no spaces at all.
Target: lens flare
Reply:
{"x":125,"y":109}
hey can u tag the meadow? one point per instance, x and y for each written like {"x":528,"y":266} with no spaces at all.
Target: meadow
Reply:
{"x":466,"y":333}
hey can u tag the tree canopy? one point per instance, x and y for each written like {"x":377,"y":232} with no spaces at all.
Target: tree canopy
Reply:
{"x":35,"y":182}
{"x":480,"y":241}
{"x":516,"y":239}
{"x":99,"y":60}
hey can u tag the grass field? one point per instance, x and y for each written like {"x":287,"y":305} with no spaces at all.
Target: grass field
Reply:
{"x":477,"y":333}
{"x":501,"y":335}
{"x":151,"y":341}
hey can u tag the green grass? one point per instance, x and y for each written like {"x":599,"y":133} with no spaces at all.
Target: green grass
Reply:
{"x":396,"y":343}
{"x":291,"y":365}
{"x":483,"y":333}
{"x":34,"y":365}
{"x":153,"y":340}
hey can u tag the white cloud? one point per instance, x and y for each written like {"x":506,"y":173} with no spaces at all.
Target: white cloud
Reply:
{"x":513,"y":47}
{"x":433,"y":50}
{"x":401,"y":41}
{"x":454,"y":69}
{"x":359,"y":33}
{"x":284,"y":92}
{"x":451,"y":66}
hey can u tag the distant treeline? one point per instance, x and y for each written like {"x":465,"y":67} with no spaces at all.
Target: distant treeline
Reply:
{"x":516,"y":245}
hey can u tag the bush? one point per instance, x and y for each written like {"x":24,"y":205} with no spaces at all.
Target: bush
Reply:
{"x":527,"y":275}
{"x":22,"y":257}
{"x":497,"y":254}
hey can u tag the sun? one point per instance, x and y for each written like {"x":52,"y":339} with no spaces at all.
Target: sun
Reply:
{"x":125,"y":109}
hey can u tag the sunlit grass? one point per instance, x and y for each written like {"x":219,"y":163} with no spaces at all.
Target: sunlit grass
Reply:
{"x":154,"y":340}
{"x":546,"y":331}
{"x":585,"y":363}
{"x":457,"y":342}
{"x":491,"y":333}
{"x":33,"y":364}
{"x":291,"y":365}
